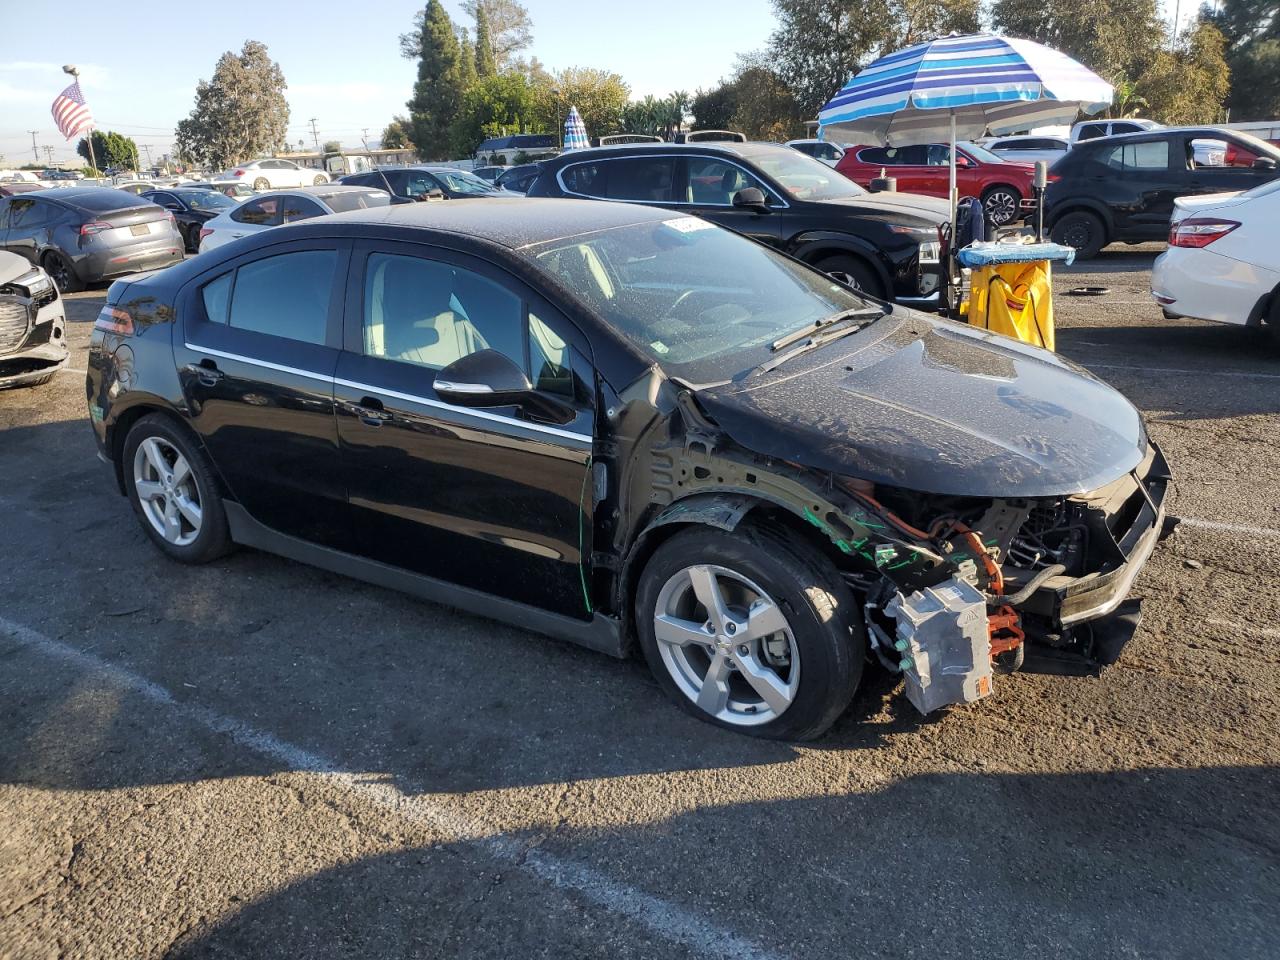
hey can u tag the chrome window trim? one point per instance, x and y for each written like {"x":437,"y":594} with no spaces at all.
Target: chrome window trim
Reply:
{"x":583,"y":438}
{"x":666,"y":203}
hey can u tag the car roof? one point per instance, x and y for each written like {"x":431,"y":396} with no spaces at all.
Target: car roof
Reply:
{"x":321,"y":190}
{"x":513,"y":222}
{"x":98,"y":197}
{"x":751,"y":148}
{"x":1208,"y":133}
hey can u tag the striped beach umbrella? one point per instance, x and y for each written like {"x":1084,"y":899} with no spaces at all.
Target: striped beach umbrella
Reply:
{"x":971,"y":84}
{"x":575,"y":131}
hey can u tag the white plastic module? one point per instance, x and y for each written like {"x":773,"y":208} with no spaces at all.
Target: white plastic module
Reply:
{"x":944,"y":643}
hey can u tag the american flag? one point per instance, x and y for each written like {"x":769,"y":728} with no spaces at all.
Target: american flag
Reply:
{"x":71,"y":113}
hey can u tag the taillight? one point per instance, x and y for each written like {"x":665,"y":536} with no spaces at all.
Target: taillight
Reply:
{"x":1052,"y":177}
{"x":114,"y":320}
{"x":1199,"y":231}
{"x":93,"y":228}
{"x":172,"y":218}
{"x":238,"y":173}
{"x":205,"y":231}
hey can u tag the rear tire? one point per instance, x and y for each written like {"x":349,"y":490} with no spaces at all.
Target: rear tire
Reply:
{"x":61,"y":272}
{"x":766,"y":579}
{"x":853,"y":272}
{"x":1000,"y":205}
{"x":180,"y":503}
{"x":1082,"y":230}
{"x":262,"y":184}
{"x":319,"y":180}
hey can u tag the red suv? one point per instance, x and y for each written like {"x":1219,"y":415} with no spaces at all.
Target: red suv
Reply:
{"x":1003,"y":185}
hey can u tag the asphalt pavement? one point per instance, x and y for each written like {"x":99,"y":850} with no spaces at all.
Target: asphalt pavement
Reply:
{"x":257,"y":759}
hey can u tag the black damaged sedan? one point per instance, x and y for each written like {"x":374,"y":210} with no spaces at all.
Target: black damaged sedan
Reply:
{"x":629,"y":428}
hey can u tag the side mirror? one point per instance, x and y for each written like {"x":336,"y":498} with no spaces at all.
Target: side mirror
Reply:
{"x":962,"y":162}
{"x":488,"y":378}
{"x":751,"y":198}
{"x":1264,"y":163}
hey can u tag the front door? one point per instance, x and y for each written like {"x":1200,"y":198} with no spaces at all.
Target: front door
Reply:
{"x":1229,"y":167}
{"x":707,"y":185}
{"x":1139,"y":180}
{"x":256,"y":361}
{"x":491,"y":499}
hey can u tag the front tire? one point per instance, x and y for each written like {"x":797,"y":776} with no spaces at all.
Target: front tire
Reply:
{"x":853,"y":272}
{"x":1082,"y":230}
{"x":753,"y":631}
{"x":262,"y":184}
{"x":174,"y":491}
{"x":320,"y":179}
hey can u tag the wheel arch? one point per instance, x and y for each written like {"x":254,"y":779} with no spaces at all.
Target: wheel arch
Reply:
{"x":813,"y":247}
{"x":1082,"y":206}
{"x":720,"y":510}
{"x":123,"y":422}
{"x":1001,"y":185}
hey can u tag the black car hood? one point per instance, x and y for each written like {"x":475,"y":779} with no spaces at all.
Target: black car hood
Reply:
{"x":937,"y":407}
{"x":893,"y":205}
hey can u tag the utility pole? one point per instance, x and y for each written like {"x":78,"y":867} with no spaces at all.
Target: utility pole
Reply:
{"x":364,"y":137}
{"x":35,"y":151}
{"x":147,"y":147}
{"x":48,"y":154}
{"x":315,"y":136}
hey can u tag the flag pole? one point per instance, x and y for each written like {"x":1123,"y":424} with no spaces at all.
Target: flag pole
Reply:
{"x":93,"y":162}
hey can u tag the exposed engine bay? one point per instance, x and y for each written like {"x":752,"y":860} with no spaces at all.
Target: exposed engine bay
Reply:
{"x":954,"y":589}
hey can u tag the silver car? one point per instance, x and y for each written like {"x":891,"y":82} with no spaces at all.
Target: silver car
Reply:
{"x":83,"y":235}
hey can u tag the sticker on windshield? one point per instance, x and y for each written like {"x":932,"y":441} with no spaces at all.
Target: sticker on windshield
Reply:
{"x":660,"y":347}
{"x":688,"y":224}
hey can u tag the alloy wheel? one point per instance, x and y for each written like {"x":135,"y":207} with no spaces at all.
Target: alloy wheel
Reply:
{"x":60,"y":272}
{"x":167,"y":491}
{"x":848,"y":279}
{"x":1001,"y":207}
{"x":727,"y":645}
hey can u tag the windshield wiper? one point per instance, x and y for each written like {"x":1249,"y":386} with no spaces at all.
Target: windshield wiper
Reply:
{"x":857,"y":313}
{"x":818,"y":335}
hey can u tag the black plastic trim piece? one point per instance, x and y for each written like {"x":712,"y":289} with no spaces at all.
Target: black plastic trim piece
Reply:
{"x":601,"y":633}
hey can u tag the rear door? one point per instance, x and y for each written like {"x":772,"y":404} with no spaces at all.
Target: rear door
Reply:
{"x":1140,"y":179}
{"x":491,"y":499}
{"x":29,"y":223}
{"x":257,"y":357}
{"x":1232,"y":170}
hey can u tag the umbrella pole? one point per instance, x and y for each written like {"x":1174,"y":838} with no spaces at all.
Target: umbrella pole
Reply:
{"x":952,"y":203}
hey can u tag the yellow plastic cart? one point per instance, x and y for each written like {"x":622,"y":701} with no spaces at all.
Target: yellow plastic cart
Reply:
{"x":1011,"y":288}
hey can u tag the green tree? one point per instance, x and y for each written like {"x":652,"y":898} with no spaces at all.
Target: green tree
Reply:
{"x":332,"y":146}
{"x":240,"y":113}
{"x":600,"y":96}
{"x":467,"y":58}
{"x":820,"y":44}
{"x":510,"y":32}
{"x":495,"y":106}
{"x":110,"y":149}
{"x":713,"y":109}
{"x":486,"y":65}
{"x":1252,"y":31}
{"x":1188,"y":84}
{"x":395,"y":136}
{"x":438,"y":92}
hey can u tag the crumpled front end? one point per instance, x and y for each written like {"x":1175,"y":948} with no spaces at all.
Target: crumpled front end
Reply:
{"x":33,"y":342}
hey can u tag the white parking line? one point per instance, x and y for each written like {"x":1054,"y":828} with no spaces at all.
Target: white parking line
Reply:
{"x":665,"y":919}
{"x":1178,"y":370}
{"x":1267,"y":532}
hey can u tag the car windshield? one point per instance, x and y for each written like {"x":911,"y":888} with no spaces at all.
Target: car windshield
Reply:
{"x":204,"y":199}
{"x":981,"y":154}
{"x":803,"y":177}
{"x":355,"y":200}
{"x":456,"y":181}
{"x":703,"y":302}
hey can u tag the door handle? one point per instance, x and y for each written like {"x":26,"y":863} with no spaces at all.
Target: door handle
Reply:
{"x":369,"y":411}
{"x":206,"y":371}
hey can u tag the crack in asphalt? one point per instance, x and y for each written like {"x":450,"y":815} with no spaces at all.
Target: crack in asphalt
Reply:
{"x":667,"y":920}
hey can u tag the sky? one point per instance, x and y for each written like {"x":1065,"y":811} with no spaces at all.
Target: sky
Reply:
{"x":341,"y":60}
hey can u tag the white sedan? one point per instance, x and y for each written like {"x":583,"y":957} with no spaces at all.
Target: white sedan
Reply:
{"x":828,"y":153}
{"x":273,"y":173}
{"x":1223,"y":261}
{"x":269,"y":210}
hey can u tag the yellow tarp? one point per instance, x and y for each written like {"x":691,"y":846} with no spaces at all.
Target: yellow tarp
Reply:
{"x":1015,"y":299}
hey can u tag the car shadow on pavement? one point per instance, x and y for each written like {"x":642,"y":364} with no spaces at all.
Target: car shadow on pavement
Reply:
{"x":368,"y":678}
{"x":1118,"y":258}
{"x":1146,"y":862}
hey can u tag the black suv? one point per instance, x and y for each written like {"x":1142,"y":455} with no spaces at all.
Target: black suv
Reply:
{"x":1123,"y":187}
{"x":411,"y":184}
{"x":619,"y":425}
{"x":886,"y":244}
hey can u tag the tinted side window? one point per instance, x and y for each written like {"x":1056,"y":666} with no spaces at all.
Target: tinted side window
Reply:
{"x":585,"y":178}
{"x":1124,"y":128}
{"x":878,"y":155}
{"x":1091,"y":131}
{"x":30,"y":213}
{"x":300,"y":208}
{"x":215,"y":295}
{"x":411,"y":183}
{"x":555,"y":367}
{"x":285,"y":295}
{"x":4,"y":214}
{"x":433,"y":313}
{"x":809,"y":148}
{"x":262,"y":213}
{"x":1138,"y":157}
{"x":641,"y":178}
